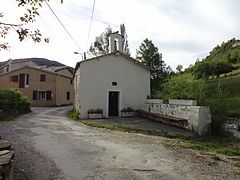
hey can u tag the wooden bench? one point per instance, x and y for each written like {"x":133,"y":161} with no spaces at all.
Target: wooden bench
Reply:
{"x":182,"y":123}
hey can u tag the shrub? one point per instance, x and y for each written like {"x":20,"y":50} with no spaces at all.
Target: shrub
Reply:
{"x":12,"y":103}
{"x":95,"y":111}
{"x":129,"y":109}
{"x":216,"y":100}
{"x":24,"y":105}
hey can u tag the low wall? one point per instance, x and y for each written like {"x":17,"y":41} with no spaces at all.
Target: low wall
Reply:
{"x":199,"y":117}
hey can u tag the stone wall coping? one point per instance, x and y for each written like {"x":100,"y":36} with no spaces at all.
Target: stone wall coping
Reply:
{"x":183,"y":102}
{"x":154,"y":101}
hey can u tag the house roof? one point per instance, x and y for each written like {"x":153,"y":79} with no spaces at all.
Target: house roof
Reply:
{"x":39,"y":63}
{"x":110,"y":54}
{"x":38,"y":69}
{"x":57,"y":69}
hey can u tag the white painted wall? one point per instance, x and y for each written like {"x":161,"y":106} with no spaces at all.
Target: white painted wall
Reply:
{"x":93,"y":80}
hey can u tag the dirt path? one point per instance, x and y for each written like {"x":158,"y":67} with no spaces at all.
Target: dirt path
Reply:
{"x":50,"y":146}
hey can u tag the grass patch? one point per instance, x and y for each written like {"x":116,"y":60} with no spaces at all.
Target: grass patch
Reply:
{"x":130,"y":129}
{"x":228,"y":146}
{"x":232,"y":106}
{"x":73,"y":114}
{"x":237,"y":163}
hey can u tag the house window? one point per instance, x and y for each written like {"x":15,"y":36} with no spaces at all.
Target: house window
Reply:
{"x":42,"y":95}
{"x":42,"y":77}
{"x":14,"y":78}
{"x":68,"y":95}
{"x":23,"y":80}
{"x":71,"y":81}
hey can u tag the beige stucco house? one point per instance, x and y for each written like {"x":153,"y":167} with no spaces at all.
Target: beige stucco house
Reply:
{"x":111,"y":82}
{"x":42,"y":87}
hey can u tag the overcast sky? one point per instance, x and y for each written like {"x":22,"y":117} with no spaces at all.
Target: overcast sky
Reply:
{"x":183,"y":30}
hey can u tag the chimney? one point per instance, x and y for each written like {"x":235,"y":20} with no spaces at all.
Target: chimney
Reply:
{"x":9,"y":65}
{"x":115,"y":42}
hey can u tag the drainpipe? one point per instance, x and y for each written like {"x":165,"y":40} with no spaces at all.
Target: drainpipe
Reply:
{"x":57,"y":90}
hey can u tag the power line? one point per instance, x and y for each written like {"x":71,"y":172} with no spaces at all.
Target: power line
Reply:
{"x":90,"y":25}
{"x":63,"y":26}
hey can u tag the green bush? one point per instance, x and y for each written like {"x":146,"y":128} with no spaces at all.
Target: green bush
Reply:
{"x":12,"y":103}
{"x":24,"y":104}
{"x":216,"y":100}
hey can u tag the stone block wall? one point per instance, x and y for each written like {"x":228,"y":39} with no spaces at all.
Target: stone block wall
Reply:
{"x":199,"y":117}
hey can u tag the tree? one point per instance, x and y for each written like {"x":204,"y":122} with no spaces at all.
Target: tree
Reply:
{"x":205,"y":69}
{"x":181,"y":87}
{"x":125,"y":47}
{"x":21,"y":29}
{"x":148,"y":54}
{"x":179,"y":68}
{"x":100,"y":45}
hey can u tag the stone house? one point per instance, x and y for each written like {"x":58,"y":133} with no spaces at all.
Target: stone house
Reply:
{"x":110,"y":82}
{"x":42,"y":87}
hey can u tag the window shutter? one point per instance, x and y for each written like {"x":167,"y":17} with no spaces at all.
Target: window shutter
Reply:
{"x":48,"y":95}
{"x":35,"y":95}
{"x":21,"y":80}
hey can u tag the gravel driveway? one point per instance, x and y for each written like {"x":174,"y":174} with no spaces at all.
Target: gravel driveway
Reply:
{"x":50,"y":146}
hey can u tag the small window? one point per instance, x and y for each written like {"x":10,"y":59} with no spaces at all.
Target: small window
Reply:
{"x":68,"y":95}
{"x":14,"y":78}
{"x":114,"y":83}
{"x":42,"y":95}
{"x":42,"y":77}
{"x":71,"y":81}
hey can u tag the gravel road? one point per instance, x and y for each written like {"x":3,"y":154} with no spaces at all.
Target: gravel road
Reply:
{"x":50,"y":146}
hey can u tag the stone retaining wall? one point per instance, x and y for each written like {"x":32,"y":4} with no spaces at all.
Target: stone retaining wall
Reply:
{"x":6,"y":160}
{"x":199,"y":117}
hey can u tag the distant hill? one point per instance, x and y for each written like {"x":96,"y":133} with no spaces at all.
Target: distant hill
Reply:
{"x":229,"y":50}
{"x":42,"y":62}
